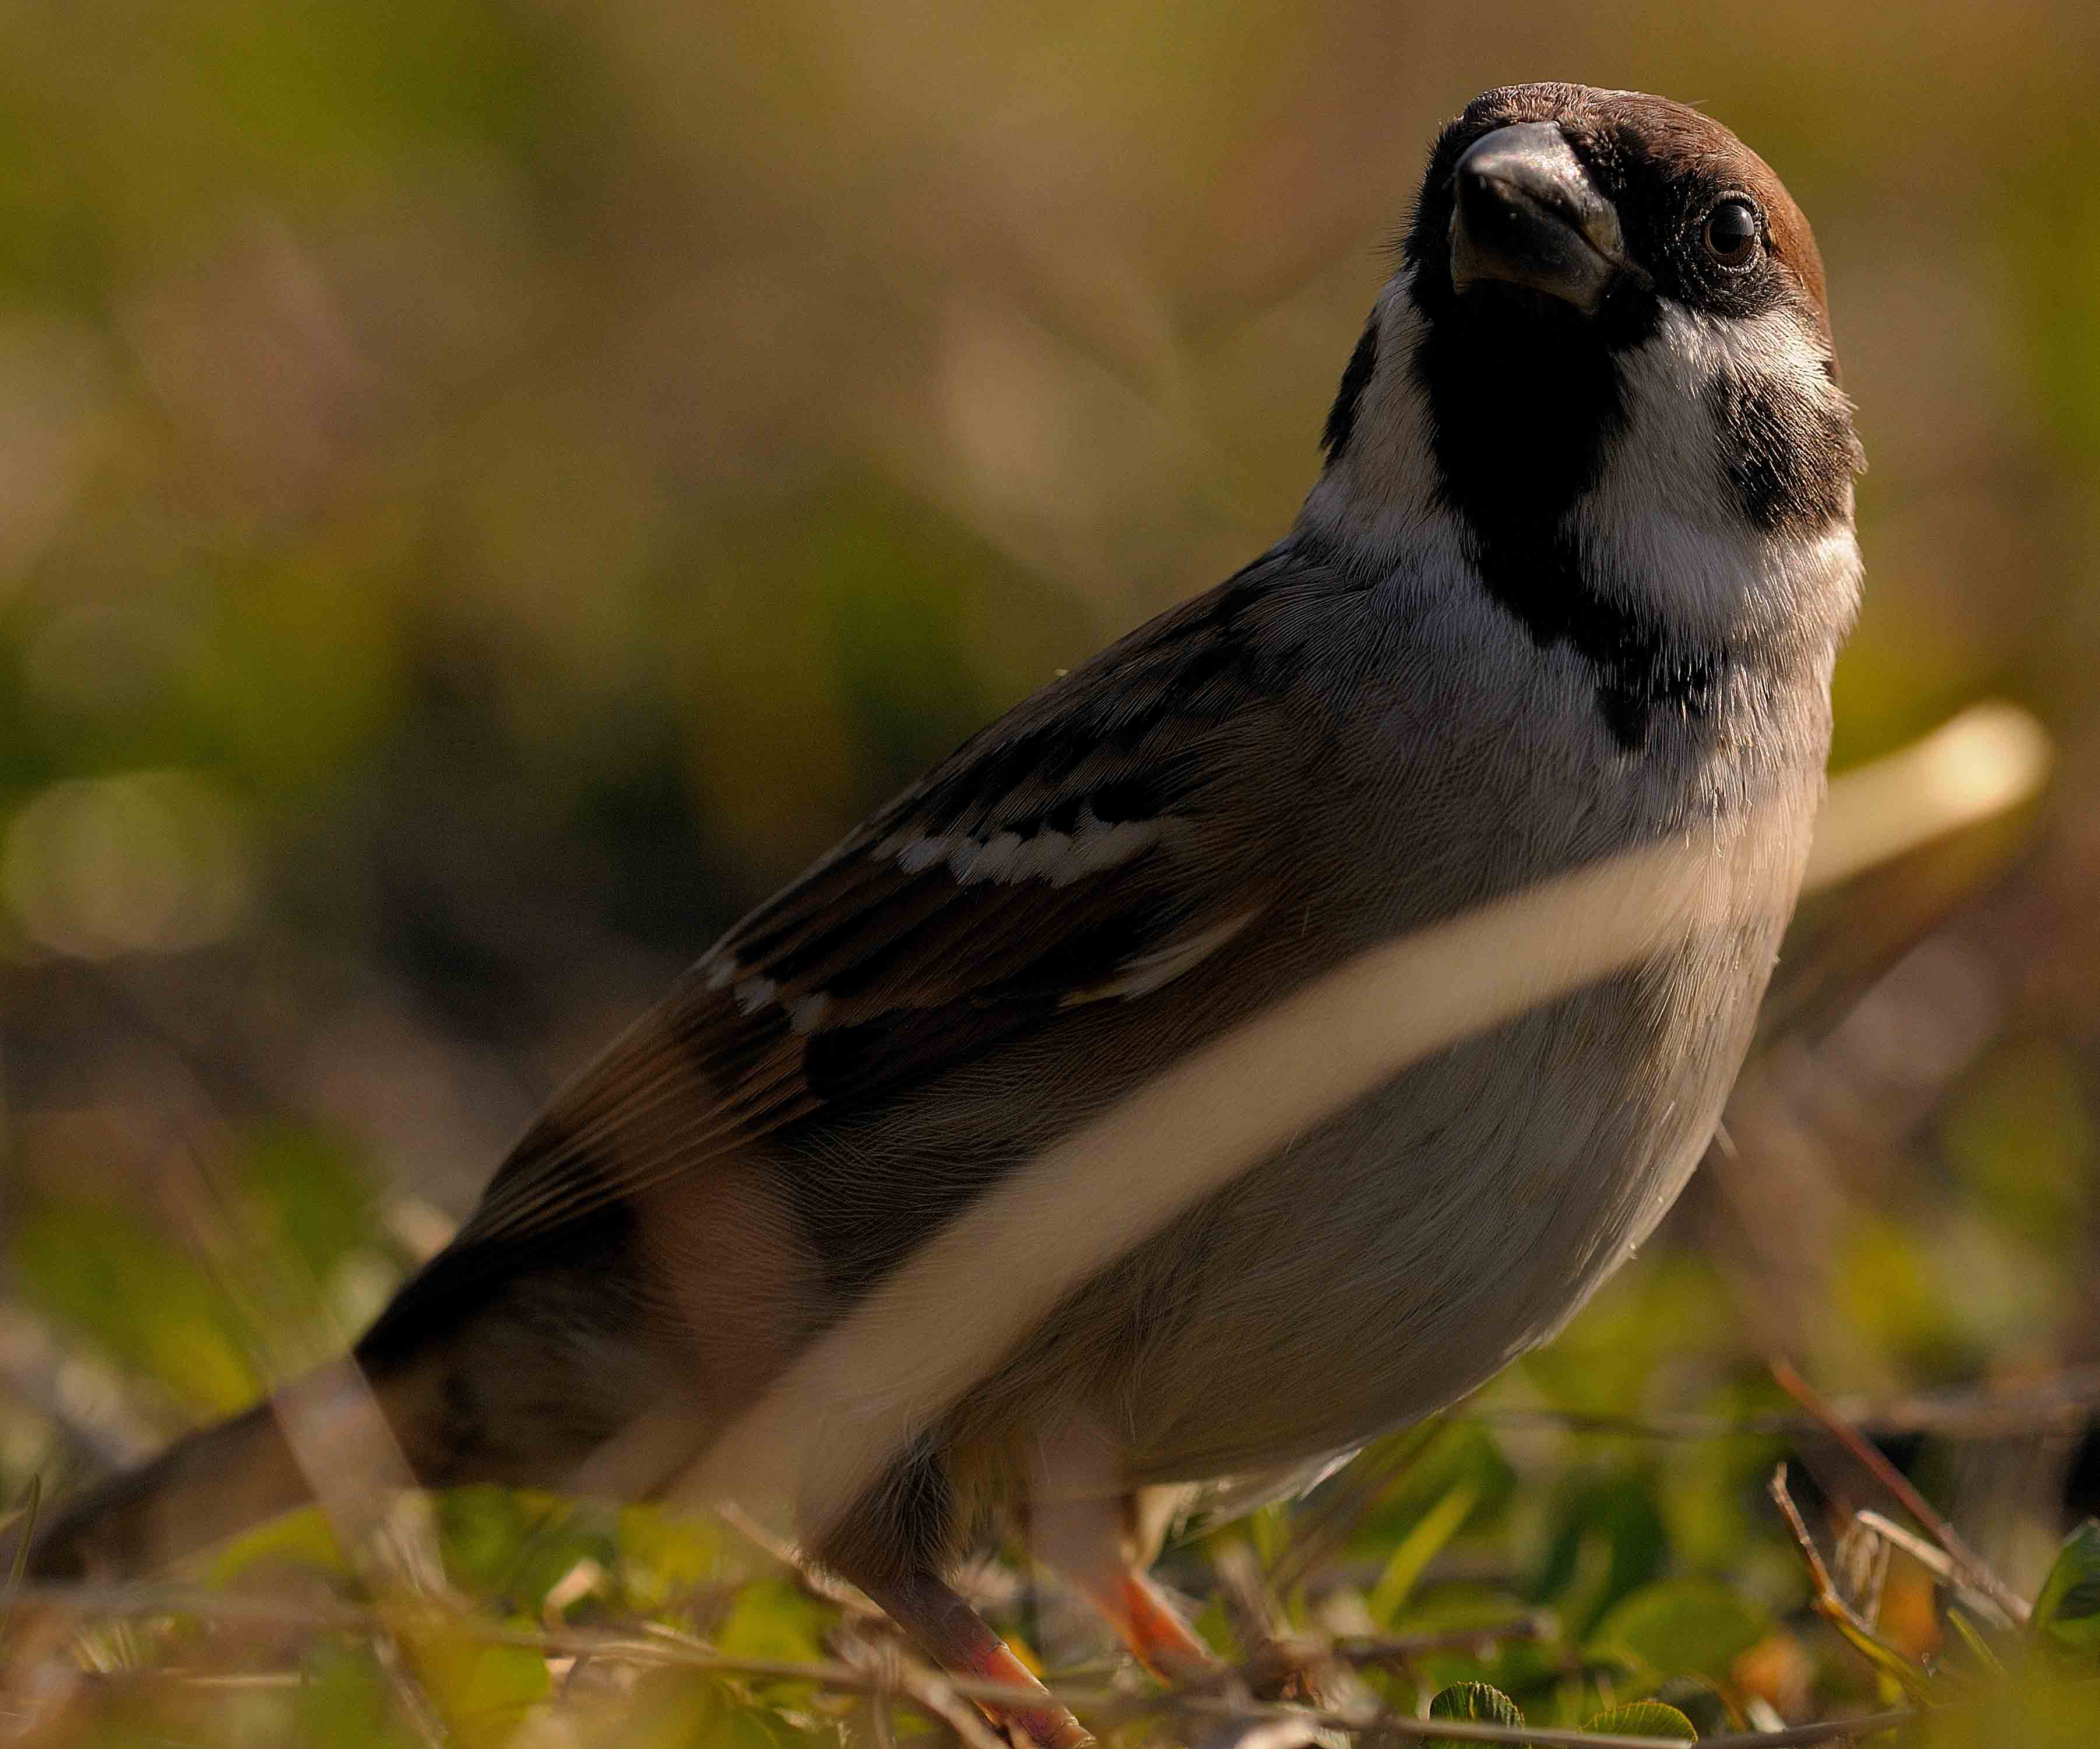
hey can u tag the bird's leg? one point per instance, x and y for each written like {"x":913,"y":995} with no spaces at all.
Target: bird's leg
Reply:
{"x":1148,"y":1624}
{"x":1102,"y":1544}
{"x":948,"y":1630}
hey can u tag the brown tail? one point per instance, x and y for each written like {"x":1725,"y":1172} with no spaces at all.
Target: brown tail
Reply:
{"x":204,"y":1487}
{"x":478,"y":1375}
{"x":520,"y":1394}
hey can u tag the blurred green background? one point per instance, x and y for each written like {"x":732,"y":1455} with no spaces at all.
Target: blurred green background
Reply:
{"x":487,"y":490}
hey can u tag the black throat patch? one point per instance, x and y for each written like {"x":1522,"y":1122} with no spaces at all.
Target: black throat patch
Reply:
{"x":1525,"y":397}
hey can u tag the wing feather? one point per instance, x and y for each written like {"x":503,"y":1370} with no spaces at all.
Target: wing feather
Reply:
{"x":1055,"y":861}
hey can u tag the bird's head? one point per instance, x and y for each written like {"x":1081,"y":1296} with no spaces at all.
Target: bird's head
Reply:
{"x":1604,"y":372}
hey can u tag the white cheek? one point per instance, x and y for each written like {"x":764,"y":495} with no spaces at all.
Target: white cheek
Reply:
{"x":1666,"y":459}
{"x":1663,"y":515}
{"x":1384,"y":486}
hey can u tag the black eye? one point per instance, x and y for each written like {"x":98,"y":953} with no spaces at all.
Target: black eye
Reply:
{"x":1730,"y":235}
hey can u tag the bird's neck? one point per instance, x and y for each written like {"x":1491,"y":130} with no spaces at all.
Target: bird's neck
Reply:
{"x":1605,"y":524}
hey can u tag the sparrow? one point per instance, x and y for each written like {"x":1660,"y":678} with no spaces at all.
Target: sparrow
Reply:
{"x":1570,"y":582}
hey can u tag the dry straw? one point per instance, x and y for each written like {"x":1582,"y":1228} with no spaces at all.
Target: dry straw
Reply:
{"x":946,"y":1317}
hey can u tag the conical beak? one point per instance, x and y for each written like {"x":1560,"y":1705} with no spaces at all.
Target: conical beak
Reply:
{"x":1526,"y":212}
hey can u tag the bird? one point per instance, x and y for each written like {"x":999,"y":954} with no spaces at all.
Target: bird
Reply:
{"x":1570,"y":582}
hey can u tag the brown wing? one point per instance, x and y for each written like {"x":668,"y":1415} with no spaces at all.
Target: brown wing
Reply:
{"x":1049,"y":863}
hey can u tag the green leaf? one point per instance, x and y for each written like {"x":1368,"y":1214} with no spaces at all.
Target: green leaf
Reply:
{"x":673,"y":1709}
{"x":1418,"y":1547}
{"x":1708,"y":1704}
{"x":1681,"y":1627}
{"x":1515,"y":1666}
{"x":1900,"y":1670}
{"x":481,"y":1528}
{"x":568,"y":1556}
{"x":297,"y":1539}
{"x":772,"y":1619}
{"x":1474,"y":1703}
{"x":341,"y":1702}
{"x":2068,"y":1612}
{"x":664,"y":1552}
{"x":1609,"y":1539}
{"x":94,"y":1264}
{"x":481,"y":1689}
{"x":1979,"y":1648}
{"x":754,"y":1728}
{"x":1427,"y":1464}
{"x":312,"y":1188}
{"x":1644,"y":1718}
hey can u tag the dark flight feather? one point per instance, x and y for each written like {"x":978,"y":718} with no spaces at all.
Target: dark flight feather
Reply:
{"x":889,"y":961}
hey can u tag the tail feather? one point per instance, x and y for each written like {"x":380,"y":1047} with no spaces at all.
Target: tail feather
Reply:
{"x":516,"y":1379}
{"x":203,"y":1488}
{"x":523,"y":1392}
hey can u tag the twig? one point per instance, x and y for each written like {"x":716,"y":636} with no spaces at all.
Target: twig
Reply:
{"x":1828,"y":1596}
{"x":1264,"y":1733}
{"x":663,"y":1646}
{"x":1834,"y":1607}
{"x":1933,"y":1560}
{"x":877,"y":1656}
{"x":409,"y":1694}
{"x":22,"y":1524}
{"x":881,"y":1723}
{"x":759,"y":1537}
{"x":1115,"y":1707}
{"x":2048,"y":1405}
{"x":1276,"y":1663}
{"x":1975,"y":1572}
{"x":892,"y":1673}
{"x":812,"y":1579}
{"x":220,"y":1680}
{"x":1252,"y":1611}
{"x":1381,"y":1651}
{"x":90,"y":1597}
{"x":1538,"y":1737}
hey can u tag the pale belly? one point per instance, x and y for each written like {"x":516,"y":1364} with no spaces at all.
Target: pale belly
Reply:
{"x":1397,"y":1257}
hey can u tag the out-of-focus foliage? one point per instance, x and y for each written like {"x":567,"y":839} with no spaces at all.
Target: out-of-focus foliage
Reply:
{"x":487,"y":487}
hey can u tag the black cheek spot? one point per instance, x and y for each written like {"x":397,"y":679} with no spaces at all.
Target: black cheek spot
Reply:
{"x":1356,"y":378}
{"x":1790,"y":456}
